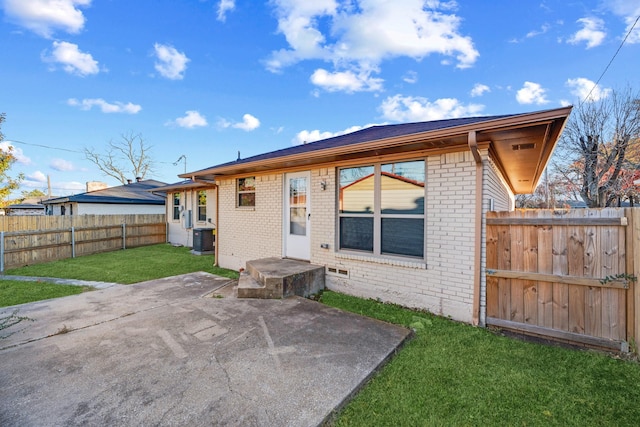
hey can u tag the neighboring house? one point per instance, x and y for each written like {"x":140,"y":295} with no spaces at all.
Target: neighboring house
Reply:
{"x":189,"y":205}
{"x":132,"y":198}
{"x":393,"y":212}
{"x":32,"y":206}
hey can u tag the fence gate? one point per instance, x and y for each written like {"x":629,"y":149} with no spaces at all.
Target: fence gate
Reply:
{"x":561,"y":275}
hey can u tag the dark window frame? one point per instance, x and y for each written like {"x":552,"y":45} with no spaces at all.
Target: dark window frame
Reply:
{"x":372,"y":238}
{"x":246,"y":192}
{"x":176,"y":206}
{"x":202,"y":205}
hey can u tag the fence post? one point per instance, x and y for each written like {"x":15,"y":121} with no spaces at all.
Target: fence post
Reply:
{"x":73,"y":242}
{"x":124,"y":236}
{"x":1,"y":251}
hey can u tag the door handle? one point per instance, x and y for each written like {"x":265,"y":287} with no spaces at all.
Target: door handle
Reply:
{"x":309,"y":216}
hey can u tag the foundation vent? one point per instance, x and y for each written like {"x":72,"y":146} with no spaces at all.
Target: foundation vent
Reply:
{"x":335,"y":271}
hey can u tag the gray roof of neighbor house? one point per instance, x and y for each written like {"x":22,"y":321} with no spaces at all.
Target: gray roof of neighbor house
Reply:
{"x":135,"y":193}
{"x":521,"y":144}
{"x":25,"y":206}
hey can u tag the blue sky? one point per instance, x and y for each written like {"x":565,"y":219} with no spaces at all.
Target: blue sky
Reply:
{"x":206,"y":79}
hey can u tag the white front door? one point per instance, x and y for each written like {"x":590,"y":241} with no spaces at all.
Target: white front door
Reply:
{"x":297,"y":215}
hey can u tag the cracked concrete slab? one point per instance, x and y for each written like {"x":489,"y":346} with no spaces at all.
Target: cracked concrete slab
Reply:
{"x":160,"y":353}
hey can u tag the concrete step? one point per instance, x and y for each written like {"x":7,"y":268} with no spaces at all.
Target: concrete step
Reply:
{"x":280,"y":278}
{"x":248,"y":287}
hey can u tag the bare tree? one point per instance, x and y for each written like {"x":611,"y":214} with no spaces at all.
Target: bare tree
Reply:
{"x":552,"y":192}
{"x":596,"y":145}
{"x":130,"y":155}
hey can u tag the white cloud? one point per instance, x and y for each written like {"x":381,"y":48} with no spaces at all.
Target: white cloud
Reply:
{"x":479,"y":89}
{"x":106,"y":107}
{"x":16,"y":151}
{"x":225,"y":6}
{"x":531,"y":93}
{"x":357,"y":36}
{"x":192,"y":119}
{"x":628,"y":10}
{"x":346,"y":81}
{"x":38,"y":177}
{"x":592,"y":32}
{"x":400,"y":108}
{"x":410,"y":77}
{"x":61,"y":165}
{"x":171,"y":63}
{"x":582,"y":87}
{"x":307,"y":136}
{"x":248,"y":123}
{"x":43,"y":17}
{"x":534,"y":33}
{"x":73,"y":61}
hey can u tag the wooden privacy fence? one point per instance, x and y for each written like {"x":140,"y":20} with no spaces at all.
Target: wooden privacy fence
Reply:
{"x":565,"y":275}
{"x":26,"y":240}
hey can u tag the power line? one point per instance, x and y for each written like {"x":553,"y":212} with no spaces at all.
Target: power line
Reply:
{"x":41,"y":146}
{"x":612,"y":58}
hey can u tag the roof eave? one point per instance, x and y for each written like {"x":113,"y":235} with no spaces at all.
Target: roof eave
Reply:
{"x":320,"y":156}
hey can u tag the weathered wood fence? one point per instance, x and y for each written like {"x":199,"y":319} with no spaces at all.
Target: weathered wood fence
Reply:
{"x":26,"y":240}
{"x":565,"y":275}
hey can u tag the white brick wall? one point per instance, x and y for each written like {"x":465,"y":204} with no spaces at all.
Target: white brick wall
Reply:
{"x":250,"y":233}
{"x":443,"y":284}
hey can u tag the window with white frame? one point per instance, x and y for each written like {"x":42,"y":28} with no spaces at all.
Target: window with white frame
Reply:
{"x":202,"y":205}
{"x":381,"y":208}
{"x":176,"y":206}
{"x":246,"y":188}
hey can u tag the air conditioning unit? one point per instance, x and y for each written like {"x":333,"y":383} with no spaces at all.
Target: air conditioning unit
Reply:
{"x":203,"y":241}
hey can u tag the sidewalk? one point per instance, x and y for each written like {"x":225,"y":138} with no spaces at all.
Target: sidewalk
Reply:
{"x":97,"y":285}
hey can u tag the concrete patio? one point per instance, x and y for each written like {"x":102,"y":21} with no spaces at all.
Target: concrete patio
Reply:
{"x":166,"y":352}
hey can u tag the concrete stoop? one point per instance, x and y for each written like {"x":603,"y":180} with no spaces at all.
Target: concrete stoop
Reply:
{"x":273,"y":278}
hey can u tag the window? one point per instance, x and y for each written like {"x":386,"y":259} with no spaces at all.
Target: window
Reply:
{"x":381,"y":208}
{"x":70,"y":209}
{"x":202,"y":205}
{"x":247,"y":192}
{"x":62,"y":208}
{"x":176,"y":206}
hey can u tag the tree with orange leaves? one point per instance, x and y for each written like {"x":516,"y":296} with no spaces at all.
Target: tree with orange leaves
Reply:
{"x":7,"y":158}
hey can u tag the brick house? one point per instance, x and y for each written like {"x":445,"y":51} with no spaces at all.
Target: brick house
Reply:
{"x":418,"y":242}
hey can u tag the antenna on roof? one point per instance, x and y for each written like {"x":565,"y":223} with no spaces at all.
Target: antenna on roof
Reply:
{"x":182,"y":157}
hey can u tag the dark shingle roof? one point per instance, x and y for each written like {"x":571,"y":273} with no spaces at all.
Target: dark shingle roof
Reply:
{"x":372,"y":133}
{"x":134,"y":193}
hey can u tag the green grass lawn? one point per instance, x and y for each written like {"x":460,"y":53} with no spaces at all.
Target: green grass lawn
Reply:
{"x":127,"y":266}
{"x":453,"y":374}
{"x":14,"y":292}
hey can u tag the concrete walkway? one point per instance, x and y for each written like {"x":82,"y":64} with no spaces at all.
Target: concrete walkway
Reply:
{"x":75,"y":282}
{"x":166,"y":352}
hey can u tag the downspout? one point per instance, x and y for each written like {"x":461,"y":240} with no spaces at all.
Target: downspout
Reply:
{"x":217,"y":235}
{"x":477,"y":267}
